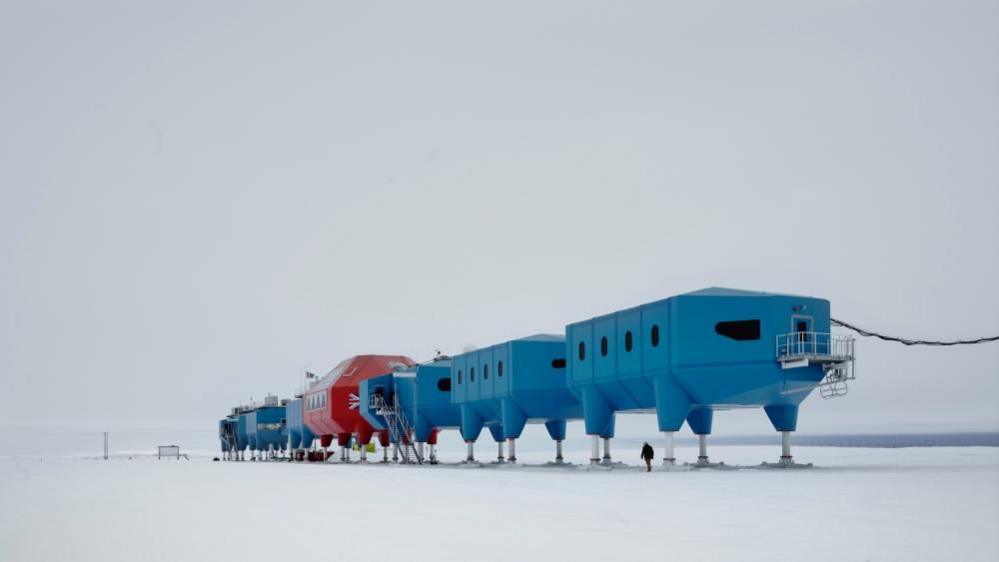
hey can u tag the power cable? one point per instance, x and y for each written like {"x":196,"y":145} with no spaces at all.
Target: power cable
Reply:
{"x":907,"y":341}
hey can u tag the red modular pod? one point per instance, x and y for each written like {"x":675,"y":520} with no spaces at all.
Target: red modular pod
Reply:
{"x":331,"y":405}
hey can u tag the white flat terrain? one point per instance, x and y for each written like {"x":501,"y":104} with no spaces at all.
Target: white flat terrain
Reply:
{"x":857,"y":504}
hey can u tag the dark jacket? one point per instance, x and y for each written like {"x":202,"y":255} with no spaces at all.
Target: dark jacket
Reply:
{"x":648,"y":452}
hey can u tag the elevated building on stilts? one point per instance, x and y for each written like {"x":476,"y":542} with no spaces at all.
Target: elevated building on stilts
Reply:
{"x":687,"y":356}
{"x":506,"y":386}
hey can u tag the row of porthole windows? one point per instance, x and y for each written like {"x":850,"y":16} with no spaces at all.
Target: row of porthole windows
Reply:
{"x":629,"y":342}
{"x":739,"y":330}
{"x":556,"y":364}
{"x":485,"y":372}
{"x":316,"y":401}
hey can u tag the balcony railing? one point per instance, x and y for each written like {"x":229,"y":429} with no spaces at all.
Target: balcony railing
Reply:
{"x":833,"y":352}
{"x":814,"y":345}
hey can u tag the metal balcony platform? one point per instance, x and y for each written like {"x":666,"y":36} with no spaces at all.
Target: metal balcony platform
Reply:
{"x":834,"y":353}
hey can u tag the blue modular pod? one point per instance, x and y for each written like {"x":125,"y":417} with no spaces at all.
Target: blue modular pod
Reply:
{"x":508,"y":384}
{"x":266,"y":428}
{"x":299,"y":434}
{"x":424,"y":397}
{"x":432,"y":395}
{"x":687,"y":355}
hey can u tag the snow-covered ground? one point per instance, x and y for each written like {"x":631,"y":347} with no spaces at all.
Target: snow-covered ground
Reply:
{"x":857,"y":504}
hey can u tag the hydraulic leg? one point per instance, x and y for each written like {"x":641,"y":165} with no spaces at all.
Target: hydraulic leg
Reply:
{"x":594,"y":449}
{"x":669,"y":458}
{"x":471,"y":451}
{"x":702,"y":450}
{"x":512,"y":457}
{"x":499,"y":452}
{"x":700,"y":422}
{"x":786,"y":460}
{"x":785,"y":448}
{"x":433,"y":453}
{"x":607,"y":455}
{"x":558,"y":452}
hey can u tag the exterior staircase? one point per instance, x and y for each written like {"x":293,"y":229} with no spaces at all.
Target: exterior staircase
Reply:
{"x":400,"y":432}
{"x":229,"y":434}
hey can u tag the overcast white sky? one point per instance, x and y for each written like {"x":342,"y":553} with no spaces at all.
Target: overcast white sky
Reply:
{"x":200,"y":199}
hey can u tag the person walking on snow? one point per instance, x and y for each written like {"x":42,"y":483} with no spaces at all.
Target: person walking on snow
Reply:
{"x":647,"y":453}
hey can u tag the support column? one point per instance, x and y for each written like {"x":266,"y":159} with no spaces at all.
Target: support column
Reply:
{"x":433,"y":454}
{"x":512,"y":457}
{"x":385,"y":454}
{"x":785,"y":448}
{"x":558,"y":452}
{"x":499,"y":451}
{"x":471,"y":451}
{"x":702,"y":449}
{"x":594,"y":449}
{"x":364,"y":453}
{"x":668,"y":458}
{"x":343,"y":453}
{"x":607,"y":455}
{"x":419,"y":448}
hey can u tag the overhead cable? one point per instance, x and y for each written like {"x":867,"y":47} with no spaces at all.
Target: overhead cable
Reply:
{"x":907,"y":341}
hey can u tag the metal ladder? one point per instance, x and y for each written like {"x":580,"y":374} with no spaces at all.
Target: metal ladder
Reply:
{"x":399,"y":429}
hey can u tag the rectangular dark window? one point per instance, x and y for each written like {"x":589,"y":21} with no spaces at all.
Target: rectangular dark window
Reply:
{"x":739,"y":330}
{"x":558,"y":363}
